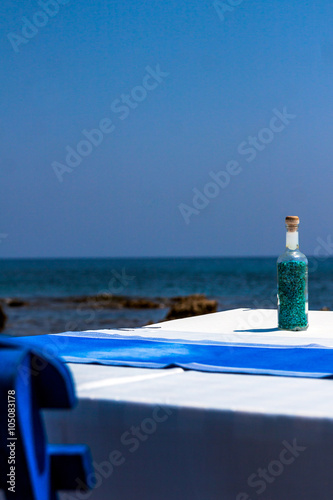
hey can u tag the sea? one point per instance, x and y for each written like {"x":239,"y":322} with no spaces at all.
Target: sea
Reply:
{"x":39,"y":284}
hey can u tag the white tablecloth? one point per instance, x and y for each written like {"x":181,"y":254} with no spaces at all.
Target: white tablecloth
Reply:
{"x":174,"y":434}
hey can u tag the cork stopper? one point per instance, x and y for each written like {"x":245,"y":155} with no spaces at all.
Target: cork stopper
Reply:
{"x":292,"y":222}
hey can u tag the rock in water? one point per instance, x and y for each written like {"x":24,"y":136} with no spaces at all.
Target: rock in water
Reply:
{"x":3,"y":318}
{"x":15,"y":302}
{"x":109,"y":301}
{"x":141,"y":303}
{"x":191,"y":305}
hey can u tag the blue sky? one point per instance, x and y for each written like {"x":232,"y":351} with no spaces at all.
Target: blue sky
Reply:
{"x":226,"y":74}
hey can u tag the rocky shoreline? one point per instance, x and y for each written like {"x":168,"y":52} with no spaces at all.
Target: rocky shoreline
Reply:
{"x":173,"y":308}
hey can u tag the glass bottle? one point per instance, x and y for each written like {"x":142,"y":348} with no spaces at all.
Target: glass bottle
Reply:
{"x":292,"y":275}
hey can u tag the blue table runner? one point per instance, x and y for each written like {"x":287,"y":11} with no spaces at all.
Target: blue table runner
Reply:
{"x":311,"y":360}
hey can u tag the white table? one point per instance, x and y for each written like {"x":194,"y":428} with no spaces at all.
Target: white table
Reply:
{"x":174,"y":434}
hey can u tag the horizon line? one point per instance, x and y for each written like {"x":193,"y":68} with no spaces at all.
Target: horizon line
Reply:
{"x":151,"y":257}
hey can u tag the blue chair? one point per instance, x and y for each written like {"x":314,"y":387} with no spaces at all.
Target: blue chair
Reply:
{"x":31,"y":469}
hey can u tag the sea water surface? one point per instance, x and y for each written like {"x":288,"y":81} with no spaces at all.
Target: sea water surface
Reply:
{"x":233,"y":282}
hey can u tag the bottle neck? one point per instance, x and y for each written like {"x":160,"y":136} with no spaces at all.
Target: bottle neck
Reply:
{"x":292,"y":242}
